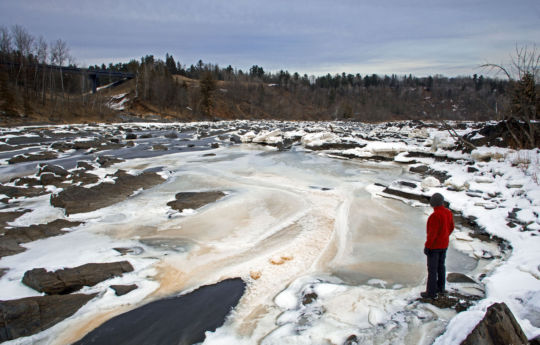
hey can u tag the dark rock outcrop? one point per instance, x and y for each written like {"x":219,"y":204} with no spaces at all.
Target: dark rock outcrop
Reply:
{"x":345,"y":145}
{"x":6,"y":217}
{"x":54,"y":169}
{"x":107,"y":161}
{"x":18,"y":192}
{"x":129,"y":250}
{"x":26,"y":181}
{"x":77,"y":199}
{"x":31,"y":315}
{"x":351,"y":340}
{"x":68,"y":280}
{"x":159,"y":147}
{"x":498,"y":327}
{"x":40,"y":156}
{"x":85,"y":165}
{"x":406,"y":195}
{"x":84,"y":178}
{"x":50,"y":179}
{"x":121,"y":290}
{"x":453,"y":300}
{"x":13,"y":237}
{"x":194,"y":200}
{"x":459,"y":278}
{"x":181,"y":320}
{"x":424,"y":170}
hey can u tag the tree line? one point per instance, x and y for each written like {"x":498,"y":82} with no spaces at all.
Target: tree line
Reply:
{"x":30,"y":72}
{"x":286,"y":95}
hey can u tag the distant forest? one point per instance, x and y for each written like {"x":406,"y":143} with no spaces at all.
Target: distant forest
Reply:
{"x":33,"y":75}
{"x":340,"y":96}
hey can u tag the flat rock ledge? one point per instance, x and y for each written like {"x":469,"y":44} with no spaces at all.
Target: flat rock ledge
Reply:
{"x":31,"y":315}
{"x":194,"y":200}
{"x":68,"y":280}
{"x":13,"y":237}
{"x":77,"y":199}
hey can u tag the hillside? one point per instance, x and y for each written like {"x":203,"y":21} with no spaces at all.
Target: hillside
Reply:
{"x":181,"y":98}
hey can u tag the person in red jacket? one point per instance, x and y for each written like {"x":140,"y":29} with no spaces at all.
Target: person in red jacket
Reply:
{"x":440,"y":225}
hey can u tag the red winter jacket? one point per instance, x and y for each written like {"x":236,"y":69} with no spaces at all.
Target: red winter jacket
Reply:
{"x":440,"y":225}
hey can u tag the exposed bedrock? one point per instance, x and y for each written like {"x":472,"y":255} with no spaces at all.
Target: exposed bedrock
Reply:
{"x":76,"y":199}
{"x":194,"y":200}
{"x":13,"y":237}
{"x":31,"y":315}
{"x":68,"y":280}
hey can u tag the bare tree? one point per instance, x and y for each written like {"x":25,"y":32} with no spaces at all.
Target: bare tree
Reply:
{"x":524,"y":75}
{"x":23,"y":45}
{"x":59,"y":55}
{"x":41,"y":55}
{"x":5,"y":41}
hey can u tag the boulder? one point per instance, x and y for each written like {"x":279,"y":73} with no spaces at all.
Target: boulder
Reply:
{"x":351,"y":340}
{"x":194,"y":200}
{"x":54,"y":169}
{"x":159,"y":147}
{"x":498,"y":327}
{"x":107,"y":161}
{"x":420,"y":169}
{"x":26,"y":181}
{"x":68,"y":280}
{"x":31,"y":315}
{"x":459,"y":278}
{"x":121,"y":290}
{"x":236,"y":139}
{"x":85,"y":165}
{"x":430,"y":182}
{"x":76,"y":199}
{"x":171,"y":135}
{"x":50,"y":179}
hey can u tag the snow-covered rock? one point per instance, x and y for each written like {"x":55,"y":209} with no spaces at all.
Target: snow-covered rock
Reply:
{"x":430,"y":182}
{"x":319,"y":139}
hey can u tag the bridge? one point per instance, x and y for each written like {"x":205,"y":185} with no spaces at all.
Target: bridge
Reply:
{"x":92,"y":74}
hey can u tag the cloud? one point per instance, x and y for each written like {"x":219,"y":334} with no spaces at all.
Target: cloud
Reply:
{"x":308,"y":36}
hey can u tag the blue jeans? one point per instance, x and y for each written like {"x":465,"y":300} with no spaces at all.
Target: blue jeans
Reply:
{"x":436,"y":270}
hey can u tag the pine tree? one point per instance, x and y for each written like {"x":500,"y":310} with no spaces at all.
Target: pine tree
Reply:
{"x":208,"y":86}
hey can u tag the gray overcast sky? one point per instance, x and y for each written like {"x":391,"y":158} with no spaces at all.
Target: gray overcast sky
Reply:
{"x":422,"y":37}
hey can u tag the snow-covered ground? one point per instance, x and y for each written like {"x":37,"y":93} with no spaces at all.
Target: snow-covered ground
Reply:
{"x":326,"y":252}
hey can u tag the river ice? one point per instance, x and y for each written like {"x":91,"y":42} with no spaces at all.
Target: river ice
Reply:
{"x":292,"y":223}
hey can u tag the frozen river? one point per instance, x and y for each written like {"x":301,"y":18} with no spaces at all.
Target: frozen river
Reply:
{"x":290,"y":220}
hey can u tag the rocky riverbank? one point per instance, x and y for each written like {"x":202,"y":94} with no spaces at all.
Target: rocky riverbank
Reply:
{"x":56,"y":181}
